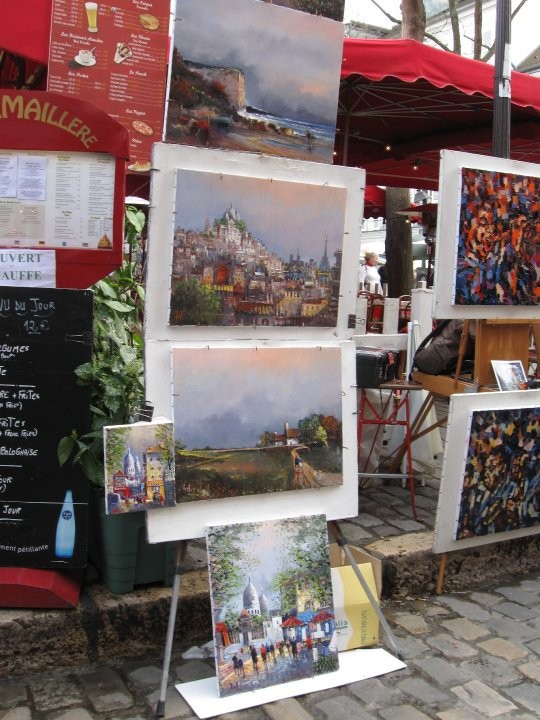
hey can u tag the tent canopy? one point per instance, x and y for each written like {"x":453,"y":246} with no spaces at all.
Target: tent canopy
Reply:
{"x":26,"y":30}
{"x":374,"y":202}
{"x":401,"y":102}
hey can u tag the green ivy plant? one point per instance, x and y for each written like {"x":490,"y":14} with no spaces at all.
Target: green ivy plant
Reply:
{"x":115,"y":375}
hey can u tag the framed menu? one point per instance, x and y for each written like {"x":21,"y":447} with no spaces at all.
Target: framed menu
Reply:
{"x":115,"y":55}
{"x":50,"y":199}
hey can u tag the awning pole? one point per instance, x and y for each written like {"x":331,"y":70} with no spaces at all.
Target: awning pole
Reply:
{"x":501,"y":90}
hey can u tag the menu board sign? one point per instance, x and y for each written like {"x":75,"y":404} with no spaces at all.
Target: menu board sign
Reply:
{"x":115,"y":55}
{"x":44,"y":335}
{"x":50,"y":199}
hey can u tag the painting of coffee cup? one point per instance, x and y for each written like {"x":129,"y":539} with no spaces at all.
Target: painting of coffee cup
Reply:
{"x":85,"y":57}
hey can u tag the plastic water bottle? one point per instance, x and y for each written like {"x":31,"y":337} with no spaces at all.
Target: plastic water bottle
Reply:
{"x":65,"y":529}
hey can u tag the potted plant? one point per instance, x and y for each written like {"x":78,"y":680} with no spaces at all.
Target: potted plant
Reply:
{"x":115,"y":377}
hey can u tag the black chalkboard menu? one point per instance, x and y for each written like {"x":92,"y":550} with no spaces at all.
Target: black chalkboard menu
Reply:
{"x":44,"y":335}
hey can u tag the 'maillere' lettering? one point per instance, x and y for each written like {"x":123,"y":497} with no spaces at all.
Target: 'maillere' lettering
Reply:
{"x":44,"y":112}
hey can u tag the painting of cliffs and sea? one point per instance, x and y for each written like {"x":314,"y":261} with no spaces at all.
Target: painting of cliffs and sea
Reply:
{"x":256,"y":420}
{"x":256,"y":77}
{"x":334,"y":9}
{"x":255,"y":252}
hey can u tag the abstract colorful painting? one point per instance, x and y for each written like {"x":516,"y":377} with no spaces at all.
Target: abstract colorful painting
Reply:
{"x":255,"y":77}
{"x":139,"y":466}
{"x":501,"y":482}
{"x":255,"y":252}
{"x":256,"y":420}
{"x":498,"y":258}
{"x":272,"y":605}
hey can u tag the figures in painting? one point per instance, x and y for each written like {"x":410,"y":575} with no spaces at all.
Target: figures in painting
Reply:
{"x":275,"y":624}
{"x":501,"y":485}
{"x":498,"y":259}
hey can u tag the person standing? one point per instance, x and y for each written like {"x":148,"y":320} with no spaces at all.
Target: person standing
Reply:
{"x":368,"y":277}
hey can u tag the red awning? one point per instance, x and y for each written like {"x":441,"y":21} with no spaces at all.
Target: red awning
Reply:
{"x":401,"y":102}
{"x":374,"y":202}
{"x":26,"y":30}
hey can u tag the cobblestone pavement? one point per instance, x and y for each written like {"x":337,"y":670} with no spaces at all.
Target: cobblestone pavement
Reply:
{"x":469,"y":656}
{"x":472,"y":655}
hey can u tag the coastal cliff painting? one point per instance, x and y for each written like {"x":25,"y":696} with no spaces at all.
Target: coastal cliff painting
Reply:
{"x":254,"y":76}
{"x":255,"y":252}
{"x":257,"y":420}
{"x":328,"y":8}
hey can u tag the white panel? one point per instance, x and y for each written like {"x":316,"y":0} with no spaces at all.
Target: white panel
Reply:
{"x":189,"y":520}
{"x":168,"y":159}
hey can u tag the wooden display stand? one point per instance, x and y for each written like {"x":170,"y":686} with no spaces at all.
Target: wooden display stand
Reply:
{"x":495,"y":340}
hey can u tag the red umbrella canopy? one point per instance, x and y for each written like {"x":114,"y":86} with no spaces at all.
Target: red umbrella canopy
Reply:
{"x":374,"y":202}
{"x":401,"y":102}
{"x":322,"y":616}
{"x":417,"y":212}
{"x":291,"y":621}
{"x":25,"y":30}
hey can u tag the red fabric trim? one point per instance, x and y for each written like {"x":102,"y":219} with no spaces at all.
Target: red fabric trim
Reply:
{"x":409,"y":60}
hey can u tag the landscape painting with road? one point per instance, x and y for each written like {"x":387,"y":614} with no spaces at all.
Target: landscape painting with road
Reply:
{"x":256,"y":420}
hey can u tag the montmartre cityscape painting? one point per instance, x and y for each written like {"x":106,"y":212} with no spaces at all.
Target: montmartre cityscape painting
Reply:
{"x":498,"y":255}
{"x":272,"y":603}
{"x":256,"y":420}
{"x":139,"y":466}
{"x":255,"y":252}
{"x":253,"y":76}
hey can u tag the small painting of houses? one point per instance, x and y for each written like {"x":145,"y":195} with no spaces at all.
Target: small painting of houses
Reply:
{"x":272,"y":604}
{"x":255,"y":252}
{"x":139,"y":466}
{"x":255,"y":77}
{"x":256,"y":420}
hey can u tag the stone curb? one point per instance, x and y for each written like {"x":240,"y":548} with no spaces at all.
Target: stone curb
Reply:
{"x":106,"y":625}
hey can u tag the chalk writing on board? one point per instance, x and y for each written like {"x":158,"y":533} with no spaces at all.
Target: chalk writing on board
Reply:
{"x":44,"y":335}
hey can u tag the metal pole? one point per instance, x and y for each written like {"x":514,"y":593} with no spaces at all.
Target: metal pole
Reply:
{"x":339,"y":538}
{"x":501,"y":90}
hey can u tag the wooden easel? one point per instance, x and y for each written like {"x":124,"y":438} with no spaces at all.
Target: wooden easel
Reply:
{"x":181,"y":549}
{"x":495,"y":340}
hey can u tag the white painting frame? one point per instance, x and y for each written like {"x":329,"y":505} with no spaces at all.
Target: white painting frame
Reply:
{"x":189,"y":520}
{"x":168,"y":160}
{"x":457,"y":442}
{"x":448,"y":220}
